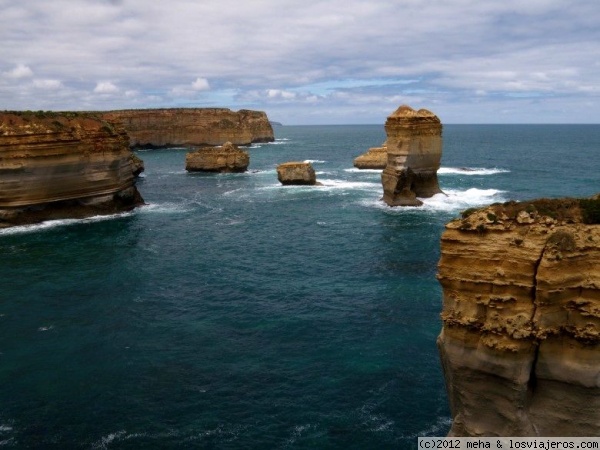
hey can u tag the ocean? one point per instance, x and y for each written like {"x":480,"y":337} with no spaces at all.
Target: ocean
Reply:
{"x":231,"y":312}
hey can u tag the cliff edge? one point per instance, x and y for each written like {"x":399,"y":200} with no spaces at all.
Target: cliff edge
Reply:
{"x":190,"y":127}
{"x":63,"y":165}
{"x":520,"y":343}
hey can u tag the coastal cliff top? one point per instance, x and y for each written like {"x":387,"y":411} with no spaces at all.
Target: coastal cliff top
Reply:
{"x":32,"y":122}
{"x":547,"y":212}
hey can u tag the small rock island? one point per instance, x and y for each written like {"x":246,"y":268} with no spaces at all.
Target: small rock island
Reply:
{"x":226,"y":159}
{"x":296,"y":173}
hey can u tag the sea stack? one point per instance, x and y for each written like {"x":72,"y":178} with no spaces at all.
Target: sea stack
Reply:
{"x":520,"y":343}
{"x":298,"y":173}
{"x":63,"y":165}
{"x":414,"y":152}
{"x":227,"y":158}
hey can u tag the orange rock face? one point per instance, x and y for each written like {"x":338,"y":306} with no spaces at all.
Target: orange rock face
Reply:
{"x":189,"y":127}
{"x":520,"y":344}
{"x":56,"y":165}
{"x":414,"y":149}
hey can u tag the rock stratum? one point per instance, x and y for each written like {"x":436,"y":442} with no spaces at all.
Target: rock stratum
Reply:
{"x":227,"y":159}
{"x":414,"y":152}
{"x":520,"y":344}
{"x":191,"y":127}
{"x":63,"y":165}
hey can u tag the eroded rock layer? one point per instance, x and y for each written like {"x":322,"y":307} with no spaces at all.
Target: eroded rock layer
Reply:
{"x":374,"y":158}
{"x":414,"y":152}
{"x":190,"y":127}
{"x":57,"y":165}
{"x":227,"y":158}
{"x":520,"y":344}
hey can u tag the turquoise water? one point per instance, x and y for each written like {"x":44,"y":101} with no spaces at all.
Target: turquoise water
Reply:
{"x":232,"y":312}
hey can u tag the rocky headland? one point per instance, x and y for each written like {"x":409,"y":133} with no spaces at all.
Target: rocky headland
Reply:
{"x":226,"y":158}
{"x":296,"y":173}
{"x":192,"y":127}
{"x":414,"y":152}
{"x":520,"y":344}
{"x":63,"y":165}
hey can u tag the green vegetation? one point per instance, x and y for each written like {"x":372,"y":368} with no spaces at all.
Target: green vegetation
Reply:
{"x":563,"y":240}
{"x":590,"y":210}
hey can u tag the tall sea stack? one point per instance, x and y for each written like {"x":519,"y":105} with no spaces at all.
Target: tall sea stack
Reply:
{"x":414,"y":148}
{"x":520,"y":344}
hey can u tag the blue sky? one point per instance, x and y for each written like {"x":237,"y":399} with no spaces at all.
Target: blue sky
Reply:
{"x":308,"y":62}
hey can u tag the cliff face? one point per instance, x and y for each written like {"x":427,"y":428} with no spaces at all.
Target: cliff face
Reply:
{"x":193,"y":126}
{"x":414,"y":149}
{"x":520,"y":344}
{"x":55,"y":165}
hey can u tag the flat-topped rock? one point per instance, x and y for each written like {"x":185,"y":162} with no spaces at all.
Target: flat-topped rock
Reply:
{"x":293,"y":172}
{"x":374,"y":158}
{"x":227,"y":158}
{"x":414,"y":149}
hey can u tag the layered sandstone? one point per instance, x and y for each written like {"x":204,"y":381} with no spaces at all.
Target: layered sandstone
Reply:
{"x":58,"y":165}
{"x":414,"y":149}
{"x":374,"y":158}
{"x":227,"y":158}
{"x":191,"y":127}
{"x":520,"y":344}
{"x":299,"y":173}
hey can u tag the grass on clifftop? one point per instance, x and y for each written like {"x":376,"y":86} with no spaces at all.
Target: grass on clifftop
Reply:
{"x":586,"y":210}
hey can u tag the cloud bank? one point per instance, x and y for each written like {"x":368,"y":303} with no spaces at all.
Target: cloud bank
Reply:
{"x":338,"y":61}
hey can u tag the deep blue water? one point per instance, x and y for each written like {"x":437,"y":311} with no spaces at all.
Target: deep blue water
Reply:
{"x":232,"y":312}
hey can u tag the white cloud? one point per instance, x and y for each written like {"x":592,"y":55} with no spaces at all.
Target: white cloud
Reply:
{"x":347,"y":57}
{"x":20,"y":71}
{"x":201,"y":84}
{"x":105,"y":87}
{"x":47,"y":84}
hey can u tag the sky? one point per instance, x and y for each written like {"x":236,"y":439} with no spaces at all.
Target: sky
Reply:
{"x":307,"y":61}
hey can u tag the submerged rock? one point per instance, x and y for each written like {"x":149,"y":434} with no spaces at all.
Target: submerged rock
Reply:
{"x":301,"y":173}
{"x":414,"y":149}
{"x":63,"y":165}
{"x":227,"y":158}
{"x":520,"y":343}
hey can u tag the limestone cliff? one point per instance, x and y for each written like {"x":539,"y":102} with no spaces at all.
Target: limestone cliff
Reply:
{"x":57,"y":165}
{"x":520,"y":344}
{"x":227,"y":158}
{"x":414,"y":149}
{"x":190,"y":127}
